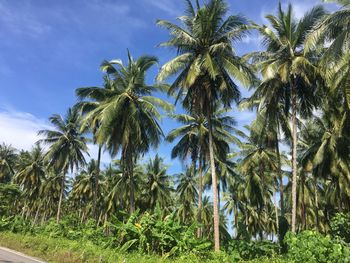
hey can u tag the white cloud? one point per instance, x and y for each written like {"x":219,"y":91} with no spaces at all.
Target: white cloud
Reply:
{"x":20,"y":129}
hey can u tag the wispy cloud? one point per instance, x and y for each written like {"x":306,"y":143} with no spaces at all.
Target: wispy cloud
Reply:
{"x":20,"y":129}
{"x":21,"y":23}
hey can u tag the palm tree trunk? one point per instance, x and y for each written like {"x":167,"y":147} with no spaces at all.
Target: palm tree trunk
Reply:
{"x":60,"y":201}
{"x":36,"y":215}
{"x":280,"y":176}
{"x":200,"y":201}
{"x":132,"y":188}
{"x":303,"y":202}
{"x":294,"y":155}
{"x":97,"y":175}
{"x":214,"y":187}
{"x":235,"y":215}
{"x":316,"y":204}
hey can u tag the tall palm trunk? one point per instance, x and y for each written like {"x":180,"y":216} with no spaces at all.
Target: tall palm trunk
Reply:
{"x":214,"y":187}
{"x":280,"y":176}
{"x":97,"y":175}
{"x":294,"y":154}
{"x":132,"y":187}
{"x":316,"y":204}
{"x":200,"y":201}
{"x":303,"y":202}
{"x":127,"y":162}
{"x":60,"y":201}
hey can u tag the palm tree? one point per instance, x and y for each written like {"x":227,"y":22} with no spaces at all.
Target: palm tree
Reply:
{"x":158,"y":185}
{"x":67,"y":146}
{"x":31,"y":173}
{"x":90,"y":98}
{"x":333,"y":28}
{"x":7,"y":162}
{"x":83,"y":189}
{"x":129,"y":116}
{"x":271,"y":123}
{"x":204,"y":66}
{"x":51,"y":190}
{"x":193,"y":142}
{"x":188,"y":195}
{"x":285,"y":59}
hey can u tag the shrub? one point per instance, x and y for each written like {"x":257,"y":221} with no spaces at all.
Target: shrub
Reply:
{"x":240,"y":249}
{"x":340,"y":227}
{"x":148,"y":233}
{"x":309,"y":246}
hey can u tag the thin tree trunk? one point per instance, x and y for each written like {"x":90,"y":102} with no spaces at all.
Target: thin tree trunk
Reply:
{"x":43,"y":217}
{"x":316,"y":204}
{"x":280,"y":177}
{"x":276,"y":212}
{"x":214,"y":188}
{"x":303,"y":202}
{"x":132,"y":189}
{"x":200,"y":201}
{"x":294,"y":155}
{"x":97,"y":175}
{"x":235,"y":215}
{"x":36,"y":215}
{"x":60,"y":201}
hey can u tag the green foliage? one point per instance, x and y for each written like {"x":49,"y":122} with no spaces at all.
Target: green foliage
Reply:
{"x":8,"y":195}
{"x":252,"y":250}
{"x":340,"y":226}
{"x":309,"y":246}
{"x":15,"y":224}
{"x":148,"y":233}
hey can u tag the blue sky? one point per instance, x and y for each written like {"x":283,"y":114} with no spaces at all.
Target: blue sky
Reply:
{"x":49,"y":48}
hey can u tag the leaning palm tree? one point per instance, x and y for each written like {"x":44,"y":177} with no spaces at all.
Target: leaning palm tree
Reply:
{"x":204,"y":66}
{"x":285,"y":59}
{"x":129,"y":116}
{"x":67,"y":146}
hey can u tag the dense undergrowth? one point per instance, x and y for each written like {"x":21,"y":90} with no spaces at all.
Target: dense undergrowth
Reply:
{"x":144,"y":238}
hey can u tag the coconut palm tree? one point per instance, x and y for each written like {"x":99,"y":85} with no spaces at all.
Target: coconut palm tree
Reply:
{"x":271,"y":123}
{"x":66,"y":147}
{"x":129,"y":116}
{"x":7,"y":162}
{"x":204,"y":66}
{"x":158,"y":184}
{"x":90,"y":98}
{"x":31,"y":173}
{"x":83,"y":189}
{"x":334,"y":29}
{"x":51,"y":191}
{"x":188,"y":195}
{"x":285,"y":59}
{"x":193,"y":143}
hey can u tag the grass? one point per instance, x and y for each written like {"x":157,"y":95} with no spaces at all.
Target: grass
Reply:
{"x":58,"y":250}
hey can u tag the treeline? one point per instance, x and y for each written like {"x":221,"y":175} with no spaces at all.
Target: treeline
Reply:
{"x":301,"y":89}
